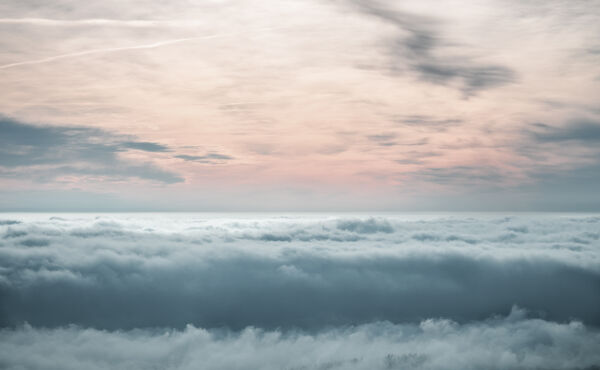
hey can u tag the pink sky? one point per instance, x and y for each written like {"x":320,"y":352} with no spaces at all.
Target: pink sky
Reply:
{"x":301,"y":104}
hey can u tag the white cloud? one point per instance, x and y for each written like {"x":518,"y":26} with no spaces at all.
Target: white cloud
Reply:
{"x":127,"y":271}
{"x":500,"y":343}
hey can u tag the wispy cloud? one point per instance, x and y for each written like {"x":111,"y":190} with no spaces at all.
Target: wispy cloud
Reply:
{"x":137,"y":23}
{"x":105,"y":50}
{"x":579,"y":130}
{"x":207,"y":158}
{"x":274,"y":85}
{"x":428,"y":121}
{"x":419,"y":47}
{"x":513,"y":341}
{"x":74,"y":150}
{"x":145,"y":146}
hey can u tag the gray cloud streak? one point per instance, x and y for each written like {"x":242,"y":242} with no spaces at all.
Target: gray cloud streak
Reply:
{"x":74,"y":150}
{"x":212,"y":158}
{"x":421,"y":50}
{"x":581,"y":130}
{"x":427,"y":121}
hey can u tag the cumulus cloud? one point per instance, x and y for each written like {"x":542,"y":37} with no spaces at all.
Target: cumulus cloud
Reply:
{"x":65,"y":150}
{"x":309,"y":272}
{"x":511,"y":342}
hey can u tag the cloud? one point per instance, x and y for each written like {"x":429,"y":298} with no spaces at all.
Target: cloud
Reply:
{"x":474,"y":77}
{"x":459,"y":175}
{"x":581,"y":130}
{"x":417,"y":157}
{"x":65,"y":150}
{"x":212,"y":158}
{"x":104,"y":50}
{"x":409,"y":161}
{"x":427,"y":121}
{"x":420,"y":47}
{"x":98,"y":22}
{"x":126,"y":272}
{"x":386,"y":139}
{"x":368,"y":226}
{"x":145,"y":146}
{"x":510,"y":342}
{"x":382,"y":137}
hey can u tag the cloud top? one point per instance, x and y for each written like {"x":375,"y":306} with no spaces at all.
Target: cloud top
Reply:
{"x":121,"y":272}
{"x":511,"y":342}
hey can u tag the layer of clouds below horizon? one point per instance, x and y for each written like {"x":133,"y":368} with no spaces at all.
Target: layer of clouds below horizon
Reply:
{"x":511,"y":342}
{"x":133,"y":271}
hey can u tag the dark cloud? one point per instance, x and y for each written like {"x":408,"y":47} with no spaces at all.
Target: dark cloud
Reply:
{"x":295,"y":273}
{"x":409,"y":161}
{"x":73,"y":150}
{"x":126,"y":292}
{"x":211,"y":158}
{"x":459,"y":175}
{"x":420,"y":48}
{"x":387,"y":139}
{"x":581,"y":130}
{"x":569,"y":106}
{"x":145,"y":146}
{"x":382,"y":137}
{"x":474,"y":77}
{"x":427,"y":121}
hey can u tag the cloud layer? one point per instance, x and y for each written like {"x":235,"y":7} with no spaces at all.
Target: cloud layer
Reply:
{"x":512,"y":342}
{"x":125,"y":272}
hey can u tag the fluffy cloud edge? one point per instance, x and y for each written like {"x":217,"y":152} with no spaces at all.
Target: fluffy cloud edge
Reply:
{"x":514,"y":342}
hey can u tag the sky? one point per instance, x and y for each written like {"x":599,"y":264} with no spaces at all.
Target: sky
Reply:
{"x":349,"y":105}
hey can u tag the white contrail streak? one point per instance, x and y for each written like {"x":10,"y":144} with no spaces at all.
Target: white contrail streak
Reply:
{"x":99,"y":22}
{"x":107,"y":50}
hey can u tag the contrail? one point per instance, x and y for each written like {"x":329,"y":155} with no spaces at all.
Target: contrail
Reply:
{"x":99,"y":22}
{"x":109,"y":50}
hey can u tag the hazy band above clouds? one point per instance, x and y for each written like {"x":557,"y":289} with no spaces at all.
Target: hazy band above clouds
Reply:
{"x":126,"y":272}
